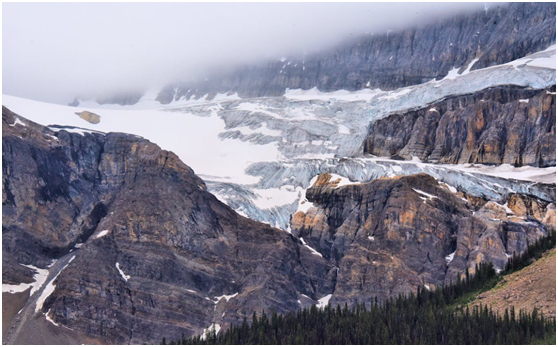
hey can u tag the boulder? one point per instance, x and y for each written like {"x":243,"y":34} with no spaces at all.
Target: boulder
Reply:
{"x":91,"y":117}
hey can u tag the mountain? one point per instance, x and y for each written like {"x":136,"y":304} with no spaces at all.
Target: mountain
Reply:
{"x":130,"y":223}
{"x":499,"y":125}
{"x":136,"y":249}
{"x":393,"y":60}
{"x":143,"y":250}
{"x":390,"y":235}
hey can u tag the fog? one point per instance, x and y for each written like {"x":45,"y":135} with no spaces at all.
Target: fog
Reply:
{"x":54,"y":52}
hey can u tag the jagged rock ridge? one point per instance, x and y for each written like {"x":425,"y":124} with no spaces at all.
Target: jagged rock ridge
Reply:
{"x":499,"y":125}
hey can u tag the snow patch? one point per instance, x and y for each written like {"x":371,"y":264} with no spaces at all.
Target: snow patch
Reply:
{"x":124,"y":276}
{"x":452,"y":74}
{"x":448,"y":187}
{"x":101,"y":234}
{"x":17,"y":121}
{"x":39,"y":278}
{"x":449,"y":257}
{"x":323,"y":302}
{"x":15,"y":288}
{"x":310,"y":248}
{"x":304,"y":205}
{"x":342,"y":181}
{"x":525,"y":101}
{"x":47,"y":316}
{"x":427,"y":196}
{"x":468,"y":69}
{"x":49,"y":288}
{"x":226,"y":297}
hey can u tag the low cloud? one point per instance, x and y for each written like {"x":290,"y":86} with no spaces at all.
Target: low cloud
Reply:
{"x":53,"y":52}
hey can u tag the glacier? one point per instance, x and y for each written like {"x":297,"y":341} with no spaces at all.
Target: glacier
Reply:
{"x":259,"y":155}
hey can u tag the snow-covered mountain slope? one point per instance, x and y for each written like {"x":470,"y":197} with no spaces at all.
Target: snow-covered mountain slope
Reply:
{"x":259,"y":155}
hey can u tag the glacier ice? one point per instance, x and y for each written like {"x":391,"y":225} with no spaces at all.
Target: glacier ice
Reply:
{"x":259,"y":155}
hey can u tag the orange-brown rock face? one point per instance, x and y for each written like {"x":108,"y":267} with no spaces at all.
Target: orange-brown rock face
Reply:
{"x":500,"y":125}
{"x":524,"y":205}
{"x":389,"y":236}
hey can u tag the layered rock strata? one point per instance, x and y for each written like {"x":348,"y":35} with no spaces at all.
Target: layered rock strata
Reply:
{"x":142,"y":251}
{"x":391,"y":235}
{"x":499,"y":125}
{"x":156,"y":255}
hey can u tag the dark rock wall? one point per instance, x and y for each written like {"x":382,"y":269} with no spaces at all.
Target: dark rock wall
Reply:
{"x":180,"y":246}
{"x":500,"y":125}
{"x":396,"y":59}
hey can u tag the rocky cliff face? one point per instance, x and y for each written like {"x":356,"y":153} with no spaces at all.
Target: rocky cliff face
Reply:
{"x":391,"y":235}
{"x":142,"y":251}
{"x":500,"y":125}
{"x":395,"y":59}
{"x":156,"y":255}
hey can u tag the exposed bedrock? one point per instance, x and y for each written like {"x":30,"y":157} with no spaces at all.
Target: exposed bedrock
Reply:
{"x":500,"y":125}
{"x":155,"y":252}
{"x":391,"y":235}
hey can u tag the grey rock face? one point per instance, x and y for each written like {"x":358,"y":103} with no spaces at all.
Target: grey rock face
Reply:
{"x":181,"y":248}
{"x":500,"y":125}
{"x":396,"y":59}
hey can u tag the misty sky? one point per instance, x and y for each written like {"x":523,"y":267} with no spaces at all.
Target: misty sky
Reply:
{"x":54,"y":52}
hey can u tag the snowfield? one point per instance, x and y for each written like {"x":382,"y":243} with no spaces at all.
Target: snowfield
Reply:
{"x":260,"y":155}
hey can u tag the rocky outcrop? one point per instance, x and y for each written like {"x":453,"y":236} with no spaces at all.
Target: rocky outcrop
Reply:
{"x":91,"y":117}
{"x":391,"y":235}
{"x":394,"y":59}
{"x":156,"y":255}
{"x":123,"y":98}
{"x":526,"y":205}
{"x":143,"y":251}
{"x":500,"y":125}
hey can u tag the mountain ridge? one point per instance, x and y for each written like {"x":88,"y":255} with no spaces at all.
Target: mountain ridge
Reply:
{"x":145,"y":252}
{"x":409,"y":57}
